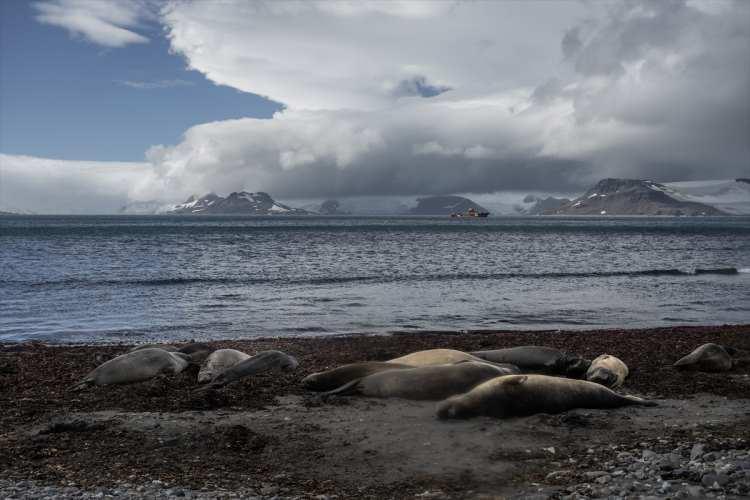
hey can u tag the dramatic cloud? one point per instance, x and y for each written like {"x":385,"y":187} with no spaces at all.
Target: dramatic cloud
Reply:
{"x":366,"y":55}
{"x":391,"y":98}
{"x":104,"y":22}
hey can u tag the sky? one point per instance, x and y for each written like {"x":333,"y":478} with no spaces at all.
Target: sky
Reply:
{"x":107,"y":102}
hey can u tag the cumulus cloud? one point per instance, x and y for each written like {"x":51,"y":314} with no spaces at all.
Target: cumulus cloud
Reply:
{"x":110,"y":23}
{"x":58,"y":186}
{"x":390,"y":98}
{"x":366,"y":55}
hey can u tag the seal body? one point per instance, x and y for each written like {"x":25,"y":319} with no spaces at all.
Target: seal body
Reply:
{"x":432,"y":382}
{"x":218,"y":361}
{"x":336,"y":377}
{"x":522,"y":395}
{"x":261,"y":362}
{"x":166,"y":347}
{"x":434,"y":357}
{"x":538,"y":359}
{"x":135,"y":366}
{"x":607,"y":370}
{"x":706,"y":358}
{"x":197,"y":351}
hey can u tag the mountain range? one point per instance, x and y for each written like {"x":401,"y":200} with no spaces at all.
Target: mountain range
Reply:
{"x":241,"y":202}
{"x":607,"y":197}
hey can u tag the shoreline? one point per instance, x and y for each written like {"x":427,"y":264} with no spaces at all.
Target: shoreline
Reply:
{"x":266,"y":436}
{"x":387,"y":333}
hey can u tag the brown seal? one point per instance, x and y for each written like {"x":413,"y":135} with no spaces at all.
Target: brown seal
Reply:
{"x":607,"y":370}
{"x":432,"y":382}
{"x":521,"y":395}
{"x":336,"y":377}
{"x":135,"y":366}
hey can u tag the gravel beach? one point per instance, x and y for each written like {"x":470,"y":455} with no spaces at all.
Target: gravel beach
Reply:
{"x":266,"y":437}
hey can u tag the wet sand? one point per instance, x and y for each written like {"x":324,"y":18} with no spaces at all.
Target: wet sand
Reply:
{"x":267,"y":436}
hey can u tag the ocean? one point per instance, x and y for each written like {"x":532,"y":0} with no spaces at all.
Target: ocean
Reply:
{"x":111,"y":279}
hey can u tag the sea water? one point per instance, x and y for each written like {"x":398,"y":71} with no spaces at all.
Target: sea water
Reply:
{"x":67,"y":279}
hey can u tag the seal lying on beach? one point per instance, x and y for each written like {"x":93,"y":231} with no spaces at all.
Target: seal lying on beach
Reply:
{"x":336,"y":377}
{"x":197,"y":351}
{"x":434,"y":357}
{"x":261,"y":362}
{"x":218,"y":361}
{"x":607,"y":370}
{"x":432,"y":382}
{"x":136,"y":366}
{"x":166,"y":347}
{"x":707,"y":358}
{"x":532,"y":358}
{"x":522,"y":395}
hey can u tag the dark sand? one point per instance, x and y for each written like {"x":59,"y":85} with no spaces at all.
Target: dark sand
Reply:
{"x":267,"y":434}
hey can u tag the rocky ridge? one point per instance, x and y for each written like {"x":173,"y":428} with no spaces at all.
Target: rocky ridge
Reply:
{"x":239,"y":203}
{"x":632,"y":197}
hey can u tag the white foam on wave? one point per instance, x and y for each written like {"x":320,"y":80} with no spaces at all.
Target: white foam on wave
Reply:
{"x":743,"y":270}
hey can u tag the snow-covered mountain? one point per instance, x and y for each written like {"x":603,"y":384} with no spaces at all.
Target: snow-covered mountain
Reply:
{"x":633,"y":197}
{"x":240,"y":203}
{"x":731,"y":196}
{"x":14,"y":211}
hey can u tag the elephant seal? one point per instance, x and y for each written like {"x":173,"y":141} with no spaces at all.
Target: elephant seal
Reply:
{"x":218,"y":361}
{"x":532,"y":358}
{"x":336,"y":377}
{"x":706,"y":358}
{"x":434,"y":357}
{"x":136,"y":366}
{"x":523,"y":395}
{"x":433,"y":382}
{"x":261,"y":362}
{"x":608,"y":371}
{"x":166,"y":347}
{"x":197,"y":351}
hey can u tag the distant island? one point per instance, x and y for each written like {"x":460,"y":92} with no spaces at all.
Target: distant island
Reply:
{"x":238,"y":203}
{"x":445,"y":205}
{"x":633,"y":197}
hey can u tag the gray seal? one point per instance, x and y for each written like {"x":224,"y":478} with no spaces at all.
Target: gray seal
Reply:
{"x":166,"y":347}
{"x":607,"y":370}
{"x":198,"y":351}
{"x":261,"y":362}
{"x":707,"y":358}
{"x":218,"y":361}
{"x":336,"y":377}
{"x":434,"y":357}
{"x":523,"y":395}
{"x":432,"y":382}
{"x":136,"y":366}
{"x":538,"y":359}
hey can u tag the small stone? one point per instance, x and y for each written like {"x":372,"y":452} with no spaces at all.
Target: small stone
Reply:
{"x":594,"y":474}
{"x":697,"y":451}
{"x":647,"y":455}
{"x":709,"y":457}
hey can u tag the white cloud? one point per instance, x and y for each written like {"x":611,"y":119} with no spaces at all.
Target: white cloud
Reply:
{"x":109,"y":23}
{"x":367,"y":55}
{"x":59,"y":186}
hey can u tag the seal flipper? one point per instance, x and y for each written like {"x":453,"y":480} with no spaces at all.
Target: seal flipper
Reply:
{"x":347,"y":389}
{"x":81,"y":385}
{"x":635,"y":400}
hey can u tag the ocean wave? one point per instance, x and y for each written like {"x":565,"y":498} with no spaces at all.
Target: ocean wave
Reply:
{"x":332,"y":280}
